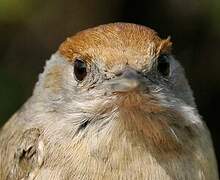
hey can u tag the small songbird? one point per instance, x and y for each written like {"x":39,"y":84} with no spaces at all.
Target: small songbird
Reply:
{"x":112,"y":103}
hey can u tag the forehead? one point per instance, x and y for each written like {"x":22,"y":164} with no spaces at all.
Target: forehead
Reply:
{"x":113,"y":44}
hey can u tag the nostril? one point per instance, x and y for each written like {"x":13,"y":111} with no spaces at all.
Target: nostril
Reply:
{"x":127,"y":72}
{"x":119,"y":73}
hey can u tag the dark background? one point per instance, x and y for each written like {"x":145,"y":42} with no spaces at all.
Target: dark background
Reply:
{"x":31,"y":30}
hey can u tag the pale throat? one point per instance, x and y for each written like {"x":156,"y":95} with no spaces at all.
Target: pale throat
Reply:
{"x":144,"y":122}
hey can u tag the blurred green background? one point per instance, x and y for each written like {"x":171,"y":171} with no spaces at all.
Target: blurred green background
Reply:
{"x":31,"y":30}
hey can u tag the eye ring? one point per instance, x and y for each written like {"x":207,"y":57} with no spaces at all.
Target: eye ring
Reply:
{"x":163,"y":65}
{"x":80,"y":69}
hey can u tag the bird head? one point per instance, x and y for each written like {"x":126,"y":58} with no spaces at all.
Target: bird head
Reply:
{"x":120,"y":74}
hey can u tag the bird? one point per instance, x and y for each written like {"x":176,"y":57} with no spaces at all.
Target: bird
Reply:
{"x":112,"y":103}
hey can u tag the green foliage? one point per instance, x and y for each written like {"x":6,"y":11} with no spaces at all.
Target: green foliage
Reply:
{"x":14,"y":10}
{"x":10,"y":96}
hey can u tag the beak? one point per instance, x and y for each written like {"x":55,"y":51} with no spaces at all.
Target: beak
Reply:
{"x":125,"y":81}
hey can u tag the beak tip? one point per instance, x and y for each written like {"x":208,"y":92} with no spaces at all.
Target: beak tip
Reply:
{"x":126,"y":81}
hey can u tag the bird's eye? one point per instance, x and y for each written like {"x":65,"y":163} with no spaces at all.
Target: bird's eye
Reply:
{"x":163,"y":66}
{"x":80,"y":69}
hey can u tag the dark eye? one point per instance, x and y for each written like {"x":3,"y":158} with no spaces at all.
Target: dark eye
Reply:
{"x":80,"y":70}
{"x":163,"y":66}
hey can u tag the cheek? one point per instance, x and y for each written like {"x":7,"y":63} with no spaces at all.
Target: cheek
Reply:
{"x":53,"y":79}
{"x":59,"y":82}
{"x":70,"y":85}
